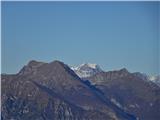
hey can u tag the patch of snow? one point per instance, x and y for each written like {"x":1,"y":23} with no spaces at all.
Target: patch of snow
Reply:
{"x":116,"y":103}
{"x":134,"y":106}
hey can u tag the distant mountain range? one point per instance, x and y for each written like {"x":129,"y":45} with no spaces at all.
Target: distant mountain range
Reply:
{"x":88,"y":70}
{"x":54,"y":91}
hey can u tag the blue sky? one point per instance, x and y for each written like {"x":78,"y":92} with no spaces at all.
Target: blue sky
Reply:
{"x":111,"y":34}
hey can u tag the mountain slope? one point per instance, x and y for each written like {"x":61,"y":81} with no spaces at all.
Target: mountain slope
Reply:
{"x":45,"y":91}
{"x":130,"y":92}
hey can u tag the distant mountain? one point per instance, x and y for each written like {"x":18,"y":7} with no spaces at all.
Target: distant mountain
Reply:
{"x":142,"y":76}
{"x":132,"y":92}
{"x":52,"y":91}
{"x":150,"y":78}
{"x":155,"y":79}
{"x":86,"y":70}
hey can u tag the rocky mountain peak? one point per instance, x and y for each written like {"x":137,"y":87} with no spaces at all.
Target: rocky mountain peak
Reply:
{"x":124,"y":70}
{"x":34,"y":63}
{"x":57,"y":62}
{"x":60,"y":66}
{"x":30,"y":67}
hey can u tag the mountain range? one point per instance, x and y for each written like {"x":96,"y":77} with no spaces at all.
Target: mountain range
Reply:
{"x":55,"y":91}
{"x":87,"y":70}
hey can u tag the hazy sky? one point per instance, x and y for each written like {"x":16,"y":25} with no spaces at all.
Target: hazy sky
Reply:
{"x":111,"y":34}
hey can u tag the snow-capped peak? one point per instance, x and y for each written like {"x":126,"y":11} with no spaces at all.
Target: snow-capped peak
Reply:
{"x":155,"y":79}
{"x":86,"y":70}
{"x":94,"y":66}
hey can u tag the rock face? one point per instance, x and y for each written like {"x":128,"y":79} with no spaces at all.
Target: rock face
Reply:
{"x":130,"y":91}
{"x":52,"y":91}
